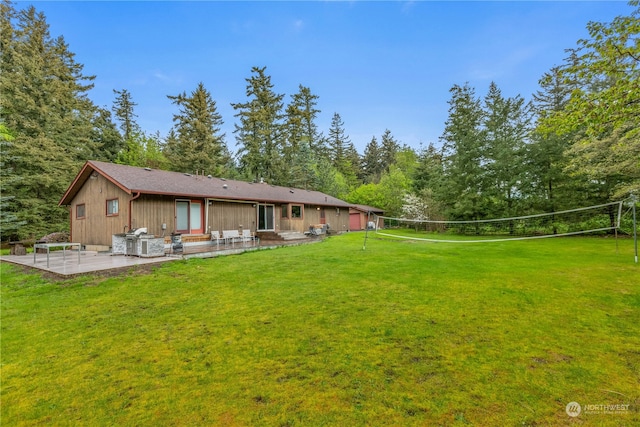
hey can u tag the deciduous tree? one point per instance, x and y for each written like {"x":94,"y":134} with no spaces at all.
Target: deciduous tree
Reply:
{"x":605,"y":105}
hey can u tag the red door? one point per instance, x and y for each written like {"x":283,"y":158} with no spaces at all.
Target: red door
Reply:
{"x":354,"y":222}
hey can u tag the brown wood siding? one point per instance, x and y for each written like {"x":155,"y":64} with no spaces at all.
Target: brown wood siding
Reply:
{"x":231,"y":216}
{"x":151,"y":211}
{"x":295,"y":224}
{"x":338,"y":220}
{"x":97,"y":228}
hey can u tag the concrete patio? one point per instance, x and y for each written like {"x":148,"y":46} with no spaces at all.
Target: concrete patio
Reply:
{"x":67,"y":265}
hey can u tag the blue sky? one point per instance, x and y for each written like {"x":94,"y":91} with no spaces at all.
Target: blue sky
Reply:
{"x":380,"y":65}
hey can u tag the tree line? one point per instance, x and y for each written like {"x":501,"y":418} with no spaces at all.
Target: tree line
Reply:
{"x":574,"y":143}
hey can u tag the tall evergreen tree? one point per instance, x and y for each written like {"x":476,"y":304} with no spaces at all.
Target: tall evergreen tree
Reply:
{"x":506,"y":131}
{"x":355,"y":161}
{"x":427,"y":179}
{"x":9,"y":222}
{"x":389,"y":147}
{"x":337,"y":142}
{"x":428,"y":174}
{"x":123,"y":109}
{"x":341,"y":151}
{"x":106,"y":135}
{"x":198,"y":145}
{"x":303,"y":141}
{"x":43,"y":100}
{"x":463,"y":188}
{"x":301,"y":115}
{"x":549,"y":183}
{"x":260,"y":133}
{"x":372,"y":162}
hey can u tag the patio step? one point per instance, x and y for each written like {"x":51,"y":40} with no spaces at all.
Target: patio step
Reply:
{"x":281,"y":235}
{"x":291,"y":235}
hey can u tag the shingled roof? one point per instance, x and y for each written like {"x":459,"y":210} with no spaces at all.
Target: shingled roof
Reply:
{"x":133,"y":179}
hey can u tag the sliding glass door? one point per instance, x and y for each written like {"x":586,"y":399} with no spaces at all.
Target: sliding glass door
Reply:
{"x":189,"y":215}
{"x":266,"y":218}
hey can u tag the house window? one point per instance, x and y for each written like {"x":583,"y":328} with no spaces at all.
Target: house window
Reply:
{"x":296,"y":211}
{"x":81,"y":211}
{"x":112,"y":207}
{"x":285,"y":211}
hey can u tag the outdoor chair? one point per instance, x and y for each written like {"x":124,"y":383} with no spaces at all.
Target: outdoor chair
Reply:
{"x":215,"y":237}
{"x":248,"y":236}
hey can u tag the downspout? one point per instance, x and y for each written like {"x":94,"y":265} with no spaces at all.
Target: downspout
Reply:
{"x":71,"y":223}
{"x":131,"y":207}
{"x":207,"y":228}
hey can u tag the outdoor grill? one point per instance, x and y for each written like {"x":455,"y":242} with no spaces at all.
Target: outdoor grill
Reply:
{"x":176,"y":243}
{"x":138,"y":243}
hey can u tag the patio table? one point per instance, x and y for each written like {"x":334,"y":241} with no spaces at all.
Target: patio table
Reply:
{"x":48,"y":247}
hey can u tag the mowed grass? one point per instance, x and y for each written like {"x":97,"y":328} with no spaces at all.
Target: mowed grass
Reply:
{"x":403,"y":333}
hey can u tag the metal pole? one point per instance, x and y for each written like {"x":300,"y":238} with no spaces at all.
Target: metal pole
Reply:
{"x":366,"y":231}
{"x":635,"y":227}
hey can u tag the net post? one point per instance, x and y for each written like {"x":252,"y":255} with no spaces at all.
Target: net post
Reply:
{"x":635,"y":227}
{"x":366,"y":231}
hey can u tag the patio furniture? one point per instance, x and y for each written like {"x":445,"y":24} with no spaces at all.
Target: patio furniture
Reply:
{"x":231,"y":236}
{"x":248,"y":236}
{"x":215,"y":237}
{"x":48,"y":246}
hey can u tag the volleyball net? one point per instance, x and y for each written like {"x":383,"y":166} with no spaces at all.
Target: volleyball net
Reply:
{"x":608,"y":218}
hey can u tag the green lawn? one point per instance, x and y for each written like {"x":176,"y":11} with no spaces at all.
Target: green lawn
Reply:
{"x":403,"y":333}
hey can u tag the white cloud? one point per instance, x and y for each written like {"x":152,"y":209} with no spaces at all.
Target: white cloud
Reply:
{"x":493,"y":68}
{"x":162,"y":77}
{"x":298,"y":25}
{"x":407,"y":6}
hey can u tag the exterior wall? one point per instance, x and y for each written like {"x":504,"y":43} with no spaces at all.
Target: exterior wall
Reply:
{"x":338,"y":219}
{"x":231,"y":216}
{"x":152,"y":211}
{"x":301,"y":224}
{"x":97,"y":228}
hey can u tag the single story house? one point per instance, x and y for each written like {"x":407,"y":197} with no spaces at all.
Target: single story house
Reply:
{"x":106,"y":199}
